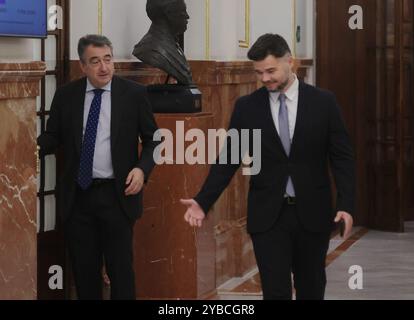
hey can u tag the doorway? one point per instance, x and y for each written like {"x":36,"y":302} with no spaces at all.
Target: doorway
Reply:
{"x":371,"y":72}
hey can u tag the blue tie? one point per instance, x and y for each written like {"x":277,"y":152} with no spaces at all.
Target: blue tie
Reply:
{"x":89,"y":139}
{"x":285,"y":137}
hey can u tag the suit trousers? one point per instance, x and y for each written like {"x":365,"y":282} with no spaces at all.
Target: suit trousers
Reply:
{"x":288,"y":248}
{"x":98,"y":232}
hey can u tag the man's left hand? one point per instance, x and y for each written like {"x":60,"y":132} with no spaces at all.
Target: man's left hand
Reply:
{"x":134,"y":181}
{"x":347,"y":219}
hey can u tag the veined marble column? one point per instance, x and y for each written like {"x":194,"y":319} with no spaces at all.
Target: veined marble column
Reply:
{"x":19,"y":87}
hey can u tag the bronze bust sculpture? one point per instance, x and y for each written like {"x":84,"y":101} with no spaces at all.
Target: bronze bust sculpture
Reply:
{"x":159,"y":47}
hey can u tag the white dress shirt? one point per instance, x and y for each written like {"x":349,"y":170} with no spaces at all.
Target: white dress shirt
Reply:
{"x":102,"y":160}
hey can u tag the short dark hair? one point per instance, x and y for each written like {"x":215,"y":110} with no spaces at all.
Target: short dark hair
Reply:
{"x":95,"y":40}
{"x":268,"y":44}
{"x":156,"y":8}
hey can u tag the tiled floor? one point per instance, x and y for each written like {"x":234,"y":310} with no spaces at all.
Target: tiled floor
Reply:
{"x":385,"y":259}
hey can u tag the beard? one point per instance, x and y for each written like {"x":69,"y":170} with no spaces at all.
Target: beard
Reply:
{"x":283,"y":85}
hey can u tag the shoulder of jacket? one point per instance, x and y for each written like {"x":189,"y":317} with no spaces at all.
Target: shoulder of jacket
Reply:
{"x":252,"y":97}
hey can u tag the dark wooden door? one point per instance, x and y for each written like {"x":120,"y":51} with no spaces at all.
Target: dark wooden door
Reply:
{"x":407,"y":95}
{"x":370,"y":71}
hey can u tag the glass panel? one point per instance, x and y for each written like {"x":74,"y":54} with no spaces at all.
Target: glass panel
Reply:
{"x":37,"y":49}
{"x":50,"y":90}
{"x":38,"y":126}
{"x":37,"y":215}
{"x":50,"y":172}
{"x":50,"y":213}
{"x":38,"y":182}
{"x":39,"y":99}
{"x":46,"y":118}
{"x":50,"y":52}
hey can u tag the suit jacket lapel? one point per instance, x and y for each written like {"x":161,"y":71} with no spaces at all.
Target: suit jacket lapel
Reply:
{"x":300,"y":119}
{"x":78,"y":105}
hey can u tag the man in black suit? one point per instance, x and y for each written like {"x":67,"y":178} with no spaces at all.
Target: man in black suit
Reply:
{"x":98,"y":121}
{"x":290,"y":215}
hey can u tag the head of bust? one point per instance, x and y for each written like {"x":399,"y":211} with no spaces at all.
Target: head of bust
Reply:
{"x":170,"y":12}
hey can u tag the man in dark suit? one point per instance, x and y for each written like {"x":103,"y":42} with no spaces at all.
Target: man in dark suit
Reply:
{"x":98,"y":121}
{"x":290,"y":215}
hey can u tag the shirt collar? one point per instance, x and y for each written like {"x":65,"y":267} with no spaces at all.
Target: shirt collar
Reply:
{"x":291,"y":93}
{"x":90,"y":87}
{"x":293,"y":90}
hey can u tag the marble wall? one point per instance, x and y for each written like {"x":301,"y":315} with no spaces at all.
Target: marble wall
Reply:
{"x":19,"y":86}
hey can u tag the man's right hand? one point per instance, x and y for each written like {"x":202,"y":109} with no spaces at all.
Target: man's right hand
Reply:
{"x":194,"y":214}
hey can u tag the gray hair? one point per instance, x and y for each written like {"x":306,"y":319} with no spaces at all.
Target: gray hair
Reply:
{"x":92,"y":40}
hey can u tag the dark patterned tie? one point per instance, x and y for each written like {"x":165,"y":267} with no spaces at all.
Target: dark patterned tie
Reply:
{"x":89,"y":139}
{"x":285,"y":137}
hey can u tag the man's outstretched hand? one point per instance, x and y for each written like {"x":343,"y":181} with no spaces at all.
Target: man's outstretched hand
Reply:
{"x":194,"y":214}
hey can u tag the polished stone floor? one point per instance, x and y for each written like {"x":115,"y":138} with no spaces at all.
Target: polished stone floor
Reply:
{"x":370,"y":265}
{"x":387,"y":264}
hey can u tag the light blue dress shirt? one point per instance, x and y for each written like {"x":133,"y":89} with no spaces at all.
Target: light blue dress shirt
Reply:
{"x":102,"y":160}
